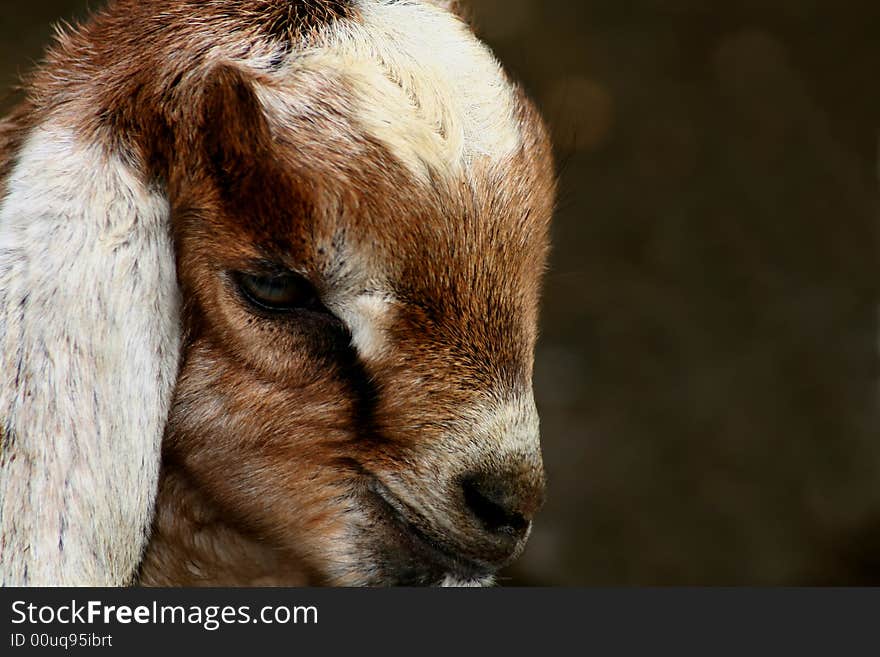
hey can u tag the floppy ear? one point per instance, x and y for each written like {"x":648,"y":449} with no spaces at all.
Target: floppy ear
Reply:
{"x":89,"y":328}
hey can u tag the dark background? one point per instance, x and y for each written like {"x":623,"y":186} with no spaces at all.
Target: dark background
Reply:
{"x":708,"y":372}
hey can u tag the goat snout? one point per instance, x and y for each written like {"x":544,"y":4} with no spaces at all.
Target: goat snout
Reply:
{"x":502,"y":505}
{"x":469,"y":531}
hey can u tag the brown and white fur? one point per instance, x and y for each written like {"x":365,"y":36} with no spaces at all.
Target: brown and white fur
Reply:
{"x":389,"y":436}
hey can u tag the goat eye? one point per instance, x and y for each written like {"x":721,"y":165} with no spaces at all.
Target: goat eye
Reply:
{"x":282,"y":293}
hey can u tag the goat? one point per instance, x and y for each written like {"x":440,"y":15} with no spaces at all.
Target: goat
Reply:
{"x":269,"y":285}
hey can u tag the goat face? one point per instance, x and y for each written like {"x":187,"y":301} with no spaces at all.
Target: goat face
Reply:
{"x":360,"y":227}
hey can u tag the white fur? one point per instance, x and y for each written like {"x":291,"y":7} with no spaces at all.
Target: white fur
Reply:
{"x":89,"y":334}
{"x":512,"y":425}
{"x":453,"y":582}
{"x":367,"y":318}
{"x":422,"y":83}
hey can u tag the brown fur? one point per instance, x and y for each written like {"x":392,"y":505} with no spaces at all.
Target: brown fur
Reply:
{"x":279,"y":428}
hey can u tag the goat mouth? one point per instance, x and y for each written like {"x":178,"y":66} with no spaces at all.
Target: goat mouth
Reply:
{"x":425,"y":559}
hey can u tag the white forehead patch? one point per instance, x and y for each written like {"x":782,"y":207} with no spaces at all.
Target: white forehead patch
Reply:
{"x":423,"y":85}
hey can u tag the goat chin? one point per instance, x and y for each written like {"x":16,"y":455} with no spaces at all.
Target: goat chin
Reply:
{"x":269,"y":285}
{"x":452,"y":582}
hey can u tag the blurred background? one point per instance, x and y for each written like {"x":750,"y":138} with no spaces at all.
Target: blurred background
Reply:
{"x":708,"y":371}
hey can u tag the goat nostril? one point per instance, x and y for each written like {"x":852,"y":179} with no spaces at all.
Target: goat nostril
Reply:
{"x":491,"y":501}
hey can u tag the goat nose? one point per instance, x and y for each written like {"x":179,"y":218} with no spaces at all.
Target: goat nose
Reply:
{"x":503,"y":504}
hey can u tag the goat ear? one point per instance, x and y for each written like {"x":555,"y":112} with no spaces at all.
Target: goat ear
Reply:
{"x":235,"y":145}
{"x":89,"y":328}
{"x":235,"y":135}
